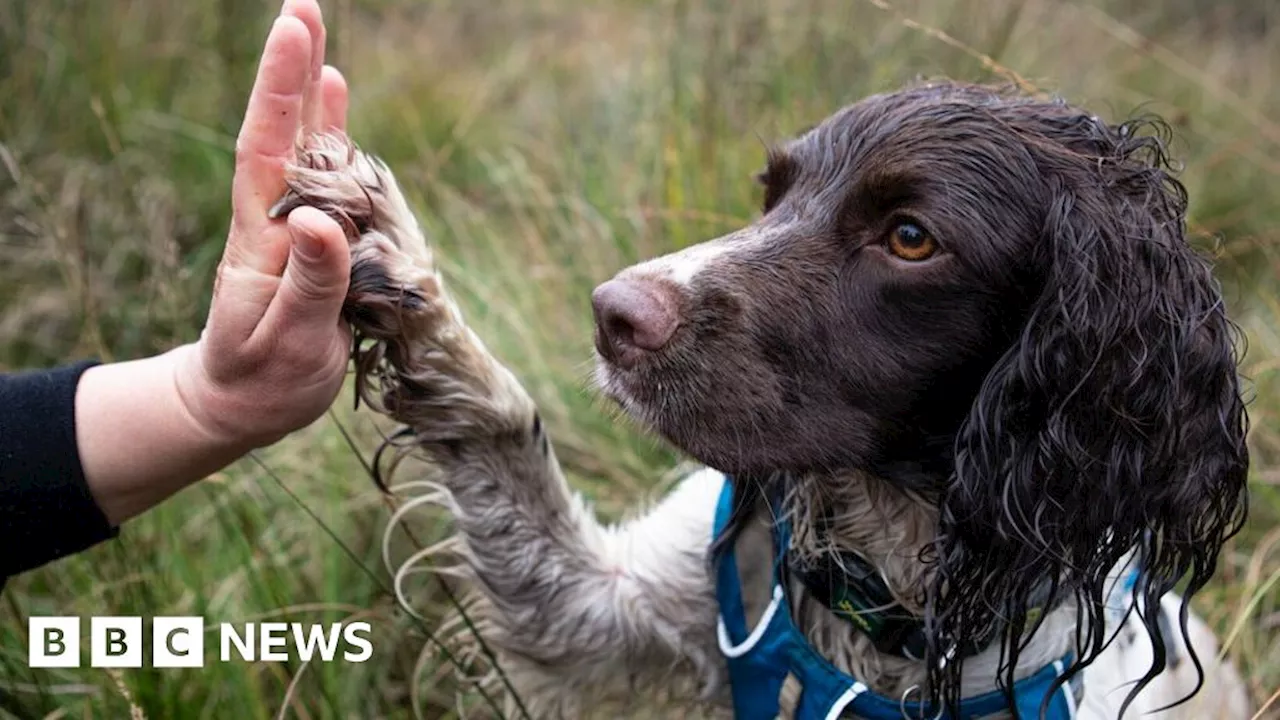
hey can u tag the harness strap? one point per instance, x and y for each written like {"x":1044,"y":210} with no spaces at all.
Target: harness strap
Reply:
{"x":774,"y":648}
{"x":845,"y":700}
{"x":735,"y":651}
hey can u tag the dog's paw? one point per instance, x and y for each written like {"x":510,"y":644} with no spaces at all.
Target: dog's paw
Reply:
{"x":437,"y":375}
{"x":395,"y":289}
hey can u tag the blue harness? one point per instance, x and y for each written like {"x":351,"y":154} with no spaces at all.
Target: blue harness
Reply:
{"x":760,"y":659}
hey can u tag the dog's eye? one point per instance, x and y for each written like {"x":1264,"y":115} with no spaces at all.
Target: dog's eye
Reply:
{"x":912,"y":242}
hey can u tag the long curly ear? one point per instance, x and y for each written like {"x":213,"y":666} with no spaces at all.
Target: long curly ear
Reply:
{"x":1114,"y":423}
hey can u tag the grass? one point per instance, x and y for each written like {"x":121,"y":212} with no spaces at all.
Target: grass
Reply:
{"x":547,"y":144}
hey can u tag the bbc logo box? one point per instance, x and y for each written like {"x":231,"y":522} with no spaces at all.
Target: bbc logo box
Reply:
{"x":53,"y":642}
{"x":178,"y":642}
{"x":115,"y":642}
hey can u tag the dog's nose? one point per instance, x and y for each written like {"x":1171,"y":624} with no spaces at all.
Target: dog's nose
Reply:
{"x":633,"y":317}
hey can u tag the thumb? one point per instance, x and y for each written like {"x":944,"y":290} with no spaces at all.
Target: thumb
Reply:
{"x":319,"y":269}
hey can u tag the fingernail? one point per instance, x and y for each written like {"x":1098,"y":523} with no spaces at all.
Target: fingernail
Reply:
{"x":309,"y":246}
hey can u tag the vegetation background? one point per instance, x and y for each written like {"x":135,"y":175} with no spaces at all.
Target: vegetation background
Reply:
{"x":547,"y":144}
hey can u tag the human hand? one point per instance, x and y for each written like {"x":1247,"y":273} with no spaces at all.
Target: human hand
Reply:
{"x":274,"y":349}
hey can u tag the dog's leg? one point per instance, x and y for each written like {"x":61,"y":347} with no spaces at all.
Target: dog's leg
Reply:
{"x":578,"y":613}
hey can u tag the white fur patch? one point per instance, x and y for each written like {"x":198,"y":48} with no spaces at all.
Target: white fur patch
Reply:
{"x":682,"y":522}
{"x":1108,"y":680}
{"x":682,"y":267}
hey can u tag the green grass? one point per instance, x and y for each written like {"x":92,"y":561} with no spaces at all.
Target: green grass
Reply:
{"x":547,"y":145}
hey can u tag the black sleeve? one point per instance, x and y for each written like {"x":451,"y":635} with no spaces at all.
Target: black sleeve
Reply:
{"x":46,"y":511}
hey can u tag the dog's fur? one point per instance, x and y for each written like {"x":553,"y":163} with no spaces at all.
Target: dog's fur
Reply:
{"x":1051,"y":395}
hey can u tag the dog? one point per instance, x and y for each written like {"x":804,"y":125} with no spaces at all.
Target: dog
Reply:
{"x":965,"y":402}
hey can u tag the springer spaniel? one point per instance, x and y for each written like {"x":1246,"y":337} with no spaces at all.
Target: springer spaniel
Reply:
{"x":971,"y":403}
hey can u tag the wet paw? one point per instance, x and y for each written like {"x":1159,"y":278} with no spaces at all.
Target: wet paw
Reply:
{"x":393,"y":278}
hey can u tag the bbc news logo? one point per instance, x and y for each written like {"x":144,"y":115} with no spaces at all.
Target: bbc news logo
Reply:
{"x":178,"y":642}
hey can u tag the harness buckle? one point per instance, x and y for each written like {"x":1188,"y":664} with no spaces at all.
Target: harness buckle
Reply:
{"x":902,"y":705}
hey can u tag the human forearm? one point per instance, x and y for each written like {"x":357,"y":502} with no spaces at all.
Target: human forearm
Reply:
{"x":138,"y":440}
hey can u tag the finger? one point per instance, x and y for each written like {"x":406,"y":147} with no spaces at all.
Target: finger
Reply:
{"x":334,"y":98}
{"x":314,"y":285}
{"x":271,"y":123}
{"x":308,"y":11}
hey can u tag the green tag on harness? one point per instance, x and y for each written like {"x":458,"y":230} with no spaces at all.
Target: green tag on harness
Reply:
{"x":854,"y":609}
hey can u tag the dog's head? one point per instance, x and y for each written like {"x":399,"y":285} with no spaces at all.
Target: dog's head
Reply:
{"x":973,"y":294}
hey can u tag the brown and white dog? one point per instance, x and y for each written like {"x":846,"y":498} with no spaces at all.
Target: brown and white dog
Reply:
{"x":966,"y":342}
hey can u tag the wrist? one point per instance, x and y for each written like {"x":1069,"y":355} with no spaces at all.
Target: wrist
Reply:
{"x":219,"y":413}
{"x":138,"y":440}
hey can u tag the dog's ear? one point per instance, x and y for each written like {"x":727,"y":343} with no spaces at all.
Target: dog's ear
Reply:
{"x":1114,"y":423}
